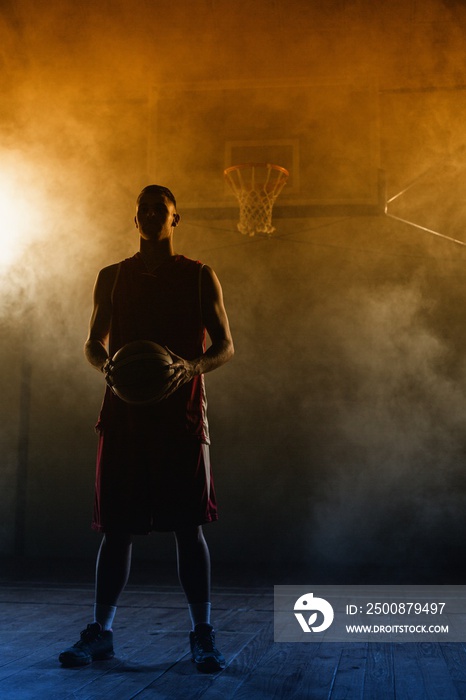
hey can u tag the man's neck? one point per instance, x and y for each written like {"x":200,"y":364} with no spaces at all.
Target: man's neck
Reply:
{"x":155,"y":253}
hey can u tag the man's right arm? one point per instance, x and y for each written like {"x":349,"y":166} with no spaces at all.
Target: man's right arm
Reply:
{"x":95,"y":348}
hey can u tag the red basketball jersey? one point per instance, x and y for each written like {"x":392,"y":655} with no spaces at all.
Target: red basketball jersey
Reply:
{"x":164,"y":307}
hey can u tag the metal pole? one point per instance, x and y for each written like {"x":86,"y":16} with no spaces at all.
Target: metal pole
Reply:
{"x":23,"y":451}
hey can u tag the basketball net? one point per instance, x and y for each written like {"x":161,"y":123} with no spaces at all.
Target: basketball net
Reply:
{"x":256,"y":187}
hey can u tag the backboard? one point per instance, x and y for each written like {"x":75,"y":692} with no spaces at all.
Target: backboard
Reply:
{"x":325,"y":135}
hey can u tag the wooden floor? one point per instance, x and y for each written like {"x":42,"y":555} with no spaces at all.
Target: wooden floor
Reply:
{"x":38,"y":619}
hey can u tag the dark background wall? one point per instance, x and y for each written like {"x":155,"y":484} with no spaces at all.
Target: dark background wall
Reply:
{"x":338,"y":429}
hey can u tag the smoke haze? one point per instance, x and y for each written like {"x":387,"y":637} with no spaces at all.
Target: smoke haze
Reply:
{"x":338,"y":430}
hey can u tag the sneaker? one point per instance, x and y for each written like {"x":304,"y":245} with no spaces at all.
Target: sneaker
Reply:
{"x":94,"y":645}
{"x":207,"y":658}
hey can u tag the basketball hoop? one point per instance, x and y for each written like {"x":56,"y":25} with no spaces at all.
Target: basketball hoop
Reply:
{"x":256,"y":187}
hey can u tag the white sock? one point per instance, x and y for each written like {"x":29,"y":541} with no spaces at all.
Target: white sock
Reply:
{"x":199,"y":612}
{"x":104,"y":614}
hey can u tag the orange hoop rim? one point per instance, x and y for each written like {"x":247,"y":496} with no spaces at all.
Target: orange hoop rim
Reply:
{"x":232,"y":168}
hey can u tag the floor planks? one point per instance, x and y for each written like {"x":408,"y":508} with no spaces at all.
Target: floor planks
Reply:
{"x":37,"y":620}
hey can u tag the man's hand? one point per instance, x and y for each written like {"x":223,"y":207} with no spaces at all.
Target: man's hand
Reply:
{"x":107,"y":370}
{"x":181,"y":372}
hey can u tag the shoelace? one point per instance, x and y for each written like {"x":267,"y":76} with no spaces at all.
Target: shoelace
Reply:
{"x":205,"y":641}
{"x":90,"y":634}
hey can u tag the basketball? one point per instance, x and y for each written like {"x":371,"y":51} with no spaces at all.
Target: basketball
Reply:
{"x":140,"y":372}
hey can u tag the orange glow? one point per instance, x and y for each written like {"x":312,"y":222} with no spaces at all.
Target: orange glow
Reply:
{"x":22,"y":208}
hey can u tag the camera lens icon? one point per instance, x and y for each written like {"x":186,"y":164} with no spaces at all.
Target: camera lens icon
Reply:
{"x":307,"y":603}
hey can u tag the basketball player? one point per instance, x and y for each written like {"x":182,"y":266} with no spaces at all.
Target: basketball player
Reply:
{"x":153,"y":470}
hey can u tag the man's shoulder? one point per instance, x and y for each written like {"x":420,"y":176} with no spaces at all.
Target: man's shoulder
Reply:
{"x":181,"y":265}
{"x":108,"y":273}
{"x":109,"y":269}
{"x":113,"y":268}
{"x":108,"y":276}
{"x":196,"y":266}
{"x":183,"y":260}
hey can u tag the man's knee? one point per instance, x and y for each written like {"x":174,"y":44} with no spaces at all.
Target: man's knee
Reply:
{"x":189,"y":536}
{"x":117,"y":540}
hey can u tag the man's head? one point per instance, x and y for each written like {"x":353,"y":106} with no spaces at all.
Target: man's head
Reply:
{"x":156,"y":213}
{"x":157,"y":189}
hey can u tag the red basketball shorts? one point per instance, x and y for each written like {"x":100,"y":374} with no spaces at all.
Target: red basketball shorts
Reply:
{"x":147,"y":483}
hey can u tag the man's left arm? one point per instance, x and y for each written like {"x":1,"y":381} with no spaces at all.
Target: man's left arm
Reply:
{"x":217,"y":325}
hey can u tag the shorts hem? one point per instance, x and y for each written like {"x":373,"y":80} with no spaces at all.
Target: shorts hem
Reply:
{"x":155,"y":528}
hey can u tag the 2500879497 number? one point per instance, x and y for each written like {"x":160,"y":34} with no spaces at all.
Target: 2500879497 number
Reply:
{"x":395,"y":608}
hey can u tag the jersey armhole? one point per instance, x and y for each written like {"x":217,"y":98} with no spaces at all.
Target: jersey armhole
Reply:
{"x":200,"y":292}
{"x":117,"y":274}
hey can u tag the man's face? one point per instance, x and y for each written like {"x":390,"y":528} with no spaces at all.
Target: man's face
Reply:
{"x":155,"y":216}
